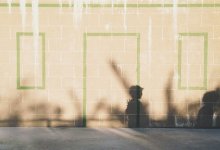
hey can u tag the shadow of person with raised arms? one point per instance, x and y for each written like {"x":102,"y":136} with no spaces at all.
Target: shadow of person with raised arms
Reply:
{"x":135,"y":111}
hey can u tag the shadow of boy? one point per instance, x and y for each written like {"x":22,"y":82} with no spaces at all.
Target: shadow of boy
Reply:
{"x":136,"y":113}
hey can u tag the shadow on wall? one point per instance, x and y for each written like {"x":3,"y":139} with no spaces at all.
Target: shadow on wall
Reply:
{"x":197,"y":117}
{"x":29,"y":113}
{"x":136,"y":114}
{"x":171,"y":111}
{"x":210,"y":106}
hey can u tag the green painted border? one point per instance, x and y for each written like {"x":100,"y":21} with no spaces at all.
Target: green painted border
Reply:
{"x":106,"y":34}
{"x":19,"y":86}
{"x":129,"y":5}
{"x":205,"y":35}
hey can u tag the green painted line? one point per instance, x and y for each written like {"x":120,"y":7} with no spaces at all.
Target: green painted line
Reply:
{"x":26,"y":34}
{"x":205,"y":59}
{"x":43,"y":61}
{"x":179,"y":63}
{"x":18,"y":59}
{"x":205,"y":67}
{"x":106,"y":34}
{"x":26,"y":88}
{"x":107,"y":5}
{"x":15,"y":4}
{"x":138,"y":78}
{"x":22,"y":87}
{"x":138,"y":59}
{"x":84,"y":78}
{"x":49,"y":5}
{"x":150,"y":5}
{"x":193,"y":34}
{"x":3,"y":5}
{"x":29,"y":87}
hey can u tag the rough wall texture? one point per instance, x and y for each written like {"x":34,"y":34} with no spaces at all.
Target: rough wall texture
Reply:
{"x":87,"y":59}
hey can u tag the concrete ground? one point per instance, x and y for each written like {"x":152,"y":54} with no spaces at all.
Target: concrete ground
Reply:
{"x":108,"y":139}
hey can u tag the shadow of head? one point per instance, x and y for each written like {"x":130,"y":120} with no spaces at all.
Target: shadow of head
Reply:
{"x":135,"y":92}
{"x":210,"y":98}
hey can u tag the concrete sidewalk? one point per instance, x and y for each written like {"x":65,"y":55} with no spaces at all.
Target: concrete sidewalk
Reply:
{"x":108,"y":139}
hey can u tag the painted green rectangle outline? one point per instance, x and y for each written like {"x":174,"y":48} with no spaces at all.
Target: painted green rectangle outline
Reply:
{"x":105,"y":34}
{"x":19,"y":86}
{"x":204,"y":87}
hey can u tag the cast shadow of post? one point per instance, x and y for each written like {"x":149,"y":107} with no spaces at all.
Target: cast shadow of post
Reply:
{"x":171,"y":110}
{"x":78,"y":119}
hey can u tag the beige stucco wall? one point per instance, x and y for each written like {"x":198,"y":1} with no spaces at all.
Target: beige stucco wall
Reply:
{"x":106,"y":87}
